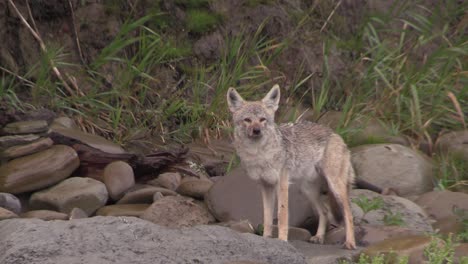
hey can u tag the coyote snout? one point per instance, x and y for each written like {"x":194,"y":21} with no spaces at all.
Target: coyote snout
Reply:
{"x":254,"y":128}
{"x":306,"y":154}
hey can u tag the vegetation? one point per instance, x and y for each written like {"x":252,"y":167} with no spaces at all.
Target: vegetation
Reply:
{"x":392,"y":77}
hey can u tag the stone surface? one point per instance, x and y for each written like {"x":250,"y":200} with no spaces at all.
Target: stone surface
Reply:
{"x":240,"y":226}
{"x":26,"y":127}
{"x":168,"y":180}
{"x":77,"y":213}
{"x":9,"y":141}
{"x":64,"y":121}
{"x":10,"y":202}
{"x":194,"y":188}
{"x":84,"y":193}
{"x":441,"y":204}
{"x":294,"y":233}
{"x":46,"y":215}
{"x":237,"y":197}
{"x":393,"y":166}
{"x":455,"y":142}
{"x":38,"y":170}
{"x":143,"y":194}
{"x":30,"y":148}
{"x":6,"y":214}
{"x":123,"y":210}
{"x":411,"y":214}
{"x":107,"y":240}
{"x":91,"y":140}
{"x":118,"y":178}
{"x":411,"y":246}
{"x":324,"y":254}
{"x":369,"y":234}
{"x":177,"y":211}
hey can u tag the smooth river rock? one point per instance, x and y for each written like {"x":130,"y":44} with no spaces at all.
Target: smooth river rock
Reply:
{"x":394,"y":166}
{"x":84,"y":193}
{"x":118,"y":178}
{"x":30,"y":148}
{"x":38,"y":170}
{"x":10,"y":202}
{"x":9,"y":141}
{"x":91,"y":140}
{"x":26,"y":127}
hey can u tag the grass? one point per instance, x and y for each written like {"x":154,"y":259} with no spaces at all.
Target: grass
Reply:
{"x":200,"y":21}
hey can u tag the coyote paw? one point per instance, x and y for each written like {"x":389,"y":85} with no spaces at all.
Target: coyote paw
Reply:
{"x":349,"y":245}
{"x":316,"y":239}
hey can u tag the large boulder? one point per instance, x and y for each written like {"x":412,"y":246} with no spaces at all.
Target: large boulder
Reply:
{"x":108,"y":240}
{"x":394,"y":166}
{"x":177,"y":211}
{"x":393,"y":210}
{"x":237,"y":197}
{"x":84,"y":193}
{"x":38,"y":170}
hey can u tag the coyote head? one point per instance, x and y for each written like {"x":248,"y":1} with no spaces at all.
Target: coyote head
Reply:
{"x":253,"y":119}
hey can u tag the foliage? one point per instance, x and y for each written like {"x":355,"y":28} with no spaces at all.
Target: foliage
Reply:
{"x":367,"y":205}
{"x":199,"y":21}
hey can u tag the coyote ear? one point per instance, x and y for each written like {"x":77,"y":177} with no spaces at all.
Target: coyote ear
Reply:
{"x":271,"y":100}
{"x":234,"y":100}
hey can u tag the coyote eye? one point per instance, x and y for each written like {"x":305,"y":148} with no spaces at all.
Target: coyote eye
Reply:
{"x":248,"y":120}
{"x":262,"y":119}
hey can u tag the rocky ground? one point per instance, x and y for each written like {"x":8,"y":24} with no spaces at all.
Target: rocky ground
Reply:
{"x":56,"y":206}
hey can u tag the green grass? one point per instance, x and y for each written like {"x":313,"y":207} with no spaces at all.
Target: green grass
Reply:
{"x":200,"y":21}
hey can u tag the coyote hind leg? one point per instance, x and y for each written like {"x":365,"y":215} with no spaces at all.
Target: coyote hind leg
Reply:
{"x":337,"y":170}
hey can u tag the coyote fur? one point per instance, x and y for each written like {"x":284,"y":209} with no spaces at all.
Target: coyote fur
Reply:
{"x":306,"y":153}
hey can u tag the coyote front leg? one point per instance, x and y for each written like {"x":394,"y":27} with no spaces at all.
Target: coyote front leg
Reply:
{"x":268,"y":197}
{"x":283,"y":206}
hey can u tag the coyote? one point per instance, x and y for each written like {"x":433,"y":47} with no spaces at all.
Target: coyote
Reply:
{"x":305,"y":153}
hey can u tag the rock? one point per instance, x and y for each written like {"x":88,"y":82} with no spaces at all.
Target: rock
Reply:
{"x":6,"y":214}
{"x":84,"y":193}
{"x":406,"y":212}
{"x":237,"y":197}
{"x":46,"y":215}
{"x":157,"y":196}
{"x":118,"y":178}
{"x":448,"y":225}
{"x":64,"y":121}
{"x":10,"y":202}
{"x":441,"y":204}
{"x":143,"y":194}
{"x":26,"y":127}
{"x":91,"y":140}
{"x":393,"y":166}
{"x":38,"y":170}
{"x":194,"y":188}
{"x":31,"y":148}
{"x":324,"y":254}
{"x":107,"y":240}
{"x":365,"y":129}
{"x":177,"y":211}
{"x":411,"y":246}
{"x":369,"y":234}
{"x":455,"y":142}
{"x":77,"y":213}
{"x":294,"y":233}
{"x":168,"y":180}
{"x":9,"y":141}
{"x":243,"y":226}
{"x":123,"y":210}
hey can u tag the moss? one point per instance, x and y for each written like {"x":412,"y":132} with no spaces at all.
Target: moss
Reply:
{"x":193,"y":3}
